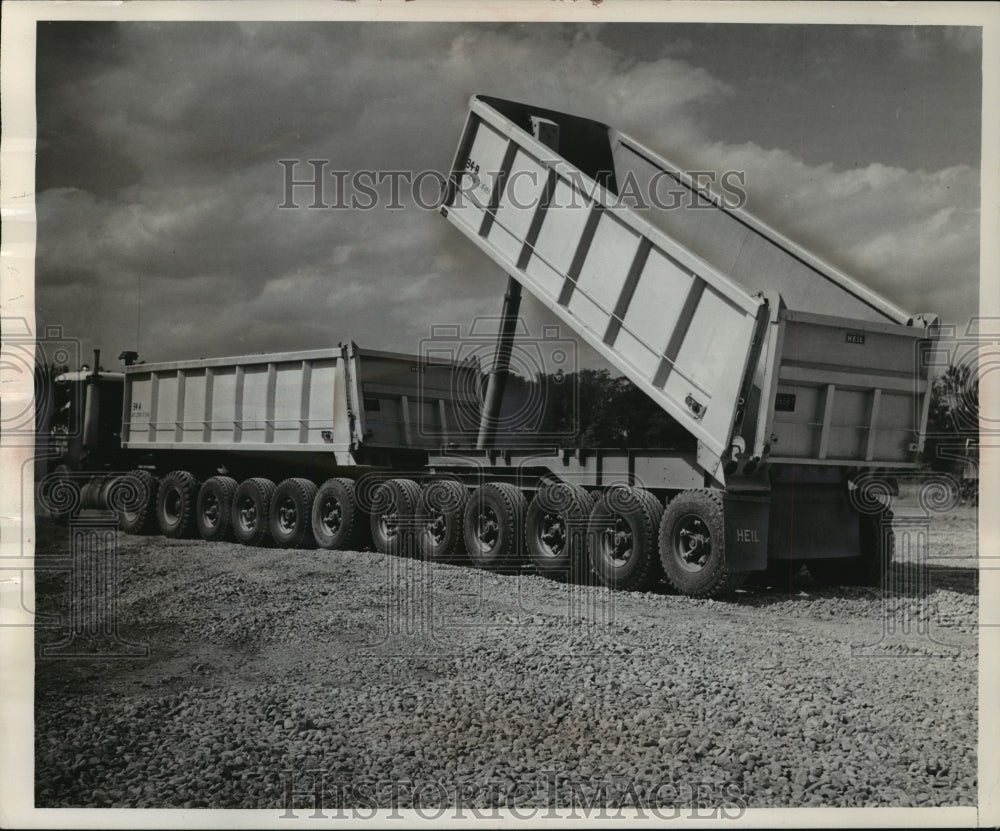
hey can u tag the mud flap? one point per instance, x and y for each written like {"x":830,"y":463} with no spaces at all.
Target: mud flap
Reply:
{"x":747,"y":517}
{"x":812,"y":521}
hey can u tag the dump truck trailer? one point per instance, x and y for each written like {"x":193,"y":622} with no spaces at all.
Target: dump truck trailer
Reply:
{"x":796,"y":387}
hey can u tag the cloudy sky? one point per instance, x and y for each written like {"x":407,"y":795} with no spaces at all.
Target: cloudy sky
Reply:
{"x":158,"y":182}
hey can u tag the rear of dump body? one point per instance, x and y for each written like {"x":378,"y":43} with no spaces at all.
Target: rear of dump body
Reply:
{"x":706,"y":309}
{"x":321,"y":401}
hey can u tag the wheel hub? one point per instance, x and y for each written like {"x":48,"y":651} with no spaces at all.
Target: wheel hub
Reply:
{"x":692,"y":543}
{"x":287,"y":515}
{"x":553,"y":534}
{"x":617,"y":542}
{"x":437,"y":527}
{"x":389,"y":524}
{"x":212,"y":511}
{"x":332,"y":516}
{"x":488,"y":527}
{"x":248,"y":514}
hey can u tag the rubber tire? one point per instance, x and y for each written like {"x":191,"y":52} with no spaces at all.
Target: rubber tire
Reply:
{"x":509,"y":505}
{"x":69,"y":500}
{"x":353,"y":529}
{"x":449,"y":498}
{"x":402,"y":498}
{"x":95,"y":491}
{"x":641,"y":511}
{"x":183,"y":486}
{"x":867,"y":569}
{"x":259,"y":492}
{"x":143,"y":519}
{"x":715,"y":579}
{"x":573,"y":505}
{"x":300,"y":493}
{"x":221,"y":489}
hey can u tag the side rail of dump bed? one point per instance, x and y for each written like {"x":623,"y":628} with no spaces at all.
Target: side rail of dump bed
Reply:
{"x":677,"y":327}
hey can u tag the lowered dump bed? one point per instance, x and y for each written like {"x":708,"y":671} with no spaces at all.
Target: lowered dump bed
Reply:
{"x":707,"y":309}
{"x":320,"y":401}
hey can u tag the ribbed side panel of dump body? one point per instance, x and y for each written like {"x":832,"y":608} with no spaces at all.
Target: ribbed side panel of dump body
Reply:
{"x":318,"y":401}
{"x":673,"y":324}
{"x":287,"y":401}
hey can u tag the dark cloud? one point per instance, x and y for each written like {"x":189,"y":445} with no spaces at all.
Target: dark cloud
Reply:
{"x":850,"y":95}
{"x":159,"y":181}
{"x":71,"y":152}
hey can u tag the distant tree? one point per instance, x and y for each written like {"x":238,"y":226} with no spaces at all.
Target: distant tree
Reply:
{"x":645,"y":423}
{"x":953,"y":419}
{"x":591,"y":408}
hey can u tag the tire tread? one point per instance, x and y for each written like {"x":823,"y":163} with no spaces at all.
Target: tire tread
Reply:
{"x":354,"y":532}
{"x":263,"y":490}
{"x":707,"y":502}
{"x":405,"y":496}
{"x":145,"y":520}
{"x":303,"y":492}
{"x":454,"y":548}
{"x":188,"y":486}
{"x":572,"y":564}
{"x":227,"y":490}
{"x":512,"y":507}
{"x":647,"y":509}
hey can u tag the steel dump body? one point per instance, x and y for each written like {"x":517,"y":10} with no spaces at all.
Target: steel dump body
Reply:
{"x":321,"y":401}
{"x":706,"y":309}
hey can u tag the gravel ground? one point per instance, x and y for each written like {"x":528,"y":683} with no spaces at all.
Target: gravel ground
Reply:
{"x":390,"y":682}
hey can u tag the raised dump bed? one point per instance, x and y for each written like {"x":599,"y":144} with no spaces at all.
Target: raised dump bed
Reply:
{"x":758,"y":348}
